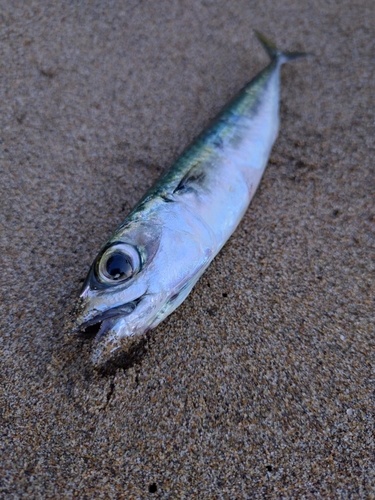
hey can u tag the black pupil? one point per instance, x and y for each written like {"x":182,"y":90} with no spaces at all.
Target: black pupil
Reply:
{"x":119,"y":266}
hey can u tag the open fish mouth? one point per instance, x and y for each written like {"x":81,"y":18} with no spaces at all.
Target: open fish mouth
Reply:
{"x":100,"y":324}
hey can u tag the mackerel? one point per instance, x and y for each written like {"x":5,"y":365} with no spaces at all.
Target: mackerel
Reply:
{"x":154,"y":258}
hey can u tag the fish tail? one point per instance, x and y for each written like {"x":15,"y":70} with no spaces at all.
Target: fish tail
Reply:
{"x":275,"y":53}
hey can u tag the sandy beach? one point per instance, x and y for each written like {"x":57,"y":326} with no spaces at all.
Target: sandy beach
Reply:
{"x":261,"y":384}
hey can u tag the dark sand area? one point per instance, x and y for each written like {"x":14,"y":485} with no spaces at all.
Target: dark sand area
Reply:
{"x":261,"y":385}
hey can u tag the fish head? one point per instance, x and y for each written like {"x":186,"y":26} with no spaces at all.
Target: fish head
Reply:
{"x":116,"y":303}
{"x":138,"y":278}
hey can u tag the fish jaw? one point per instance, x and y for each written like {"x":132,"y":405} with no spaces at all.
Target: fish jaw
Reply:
{"x":117,"y":330}
{"x":119,"y":337}
{"x":97,"y":306}
{"x":119,"y":340}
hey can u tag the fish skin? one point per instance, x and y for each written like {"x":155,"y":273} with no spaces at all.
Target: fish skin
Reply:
{"x":184,"y":220}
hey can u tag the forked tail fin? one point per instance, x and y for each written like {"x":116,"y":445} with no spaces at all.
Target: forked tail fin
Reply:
{"x":275,"y":53}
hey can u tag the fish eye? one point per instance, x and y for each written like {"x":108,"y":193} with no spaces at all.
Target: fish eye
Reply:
{"x":118,"y":263}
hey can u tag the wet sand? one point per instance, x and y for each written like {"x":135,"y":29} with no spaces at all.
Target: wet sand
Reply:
{"x":261,"y":385}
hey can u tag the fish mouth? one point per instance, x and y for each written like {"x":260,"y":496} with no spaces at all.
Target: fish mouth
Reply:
{"x":102,"y":322}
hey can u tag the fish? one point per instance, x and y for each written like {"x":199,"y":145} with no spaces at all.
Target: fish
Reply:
{"x":154,"y":258}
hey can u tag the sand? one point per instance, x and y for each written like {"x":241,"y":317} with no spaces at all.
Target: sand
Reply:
{"x":261,"y":385}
